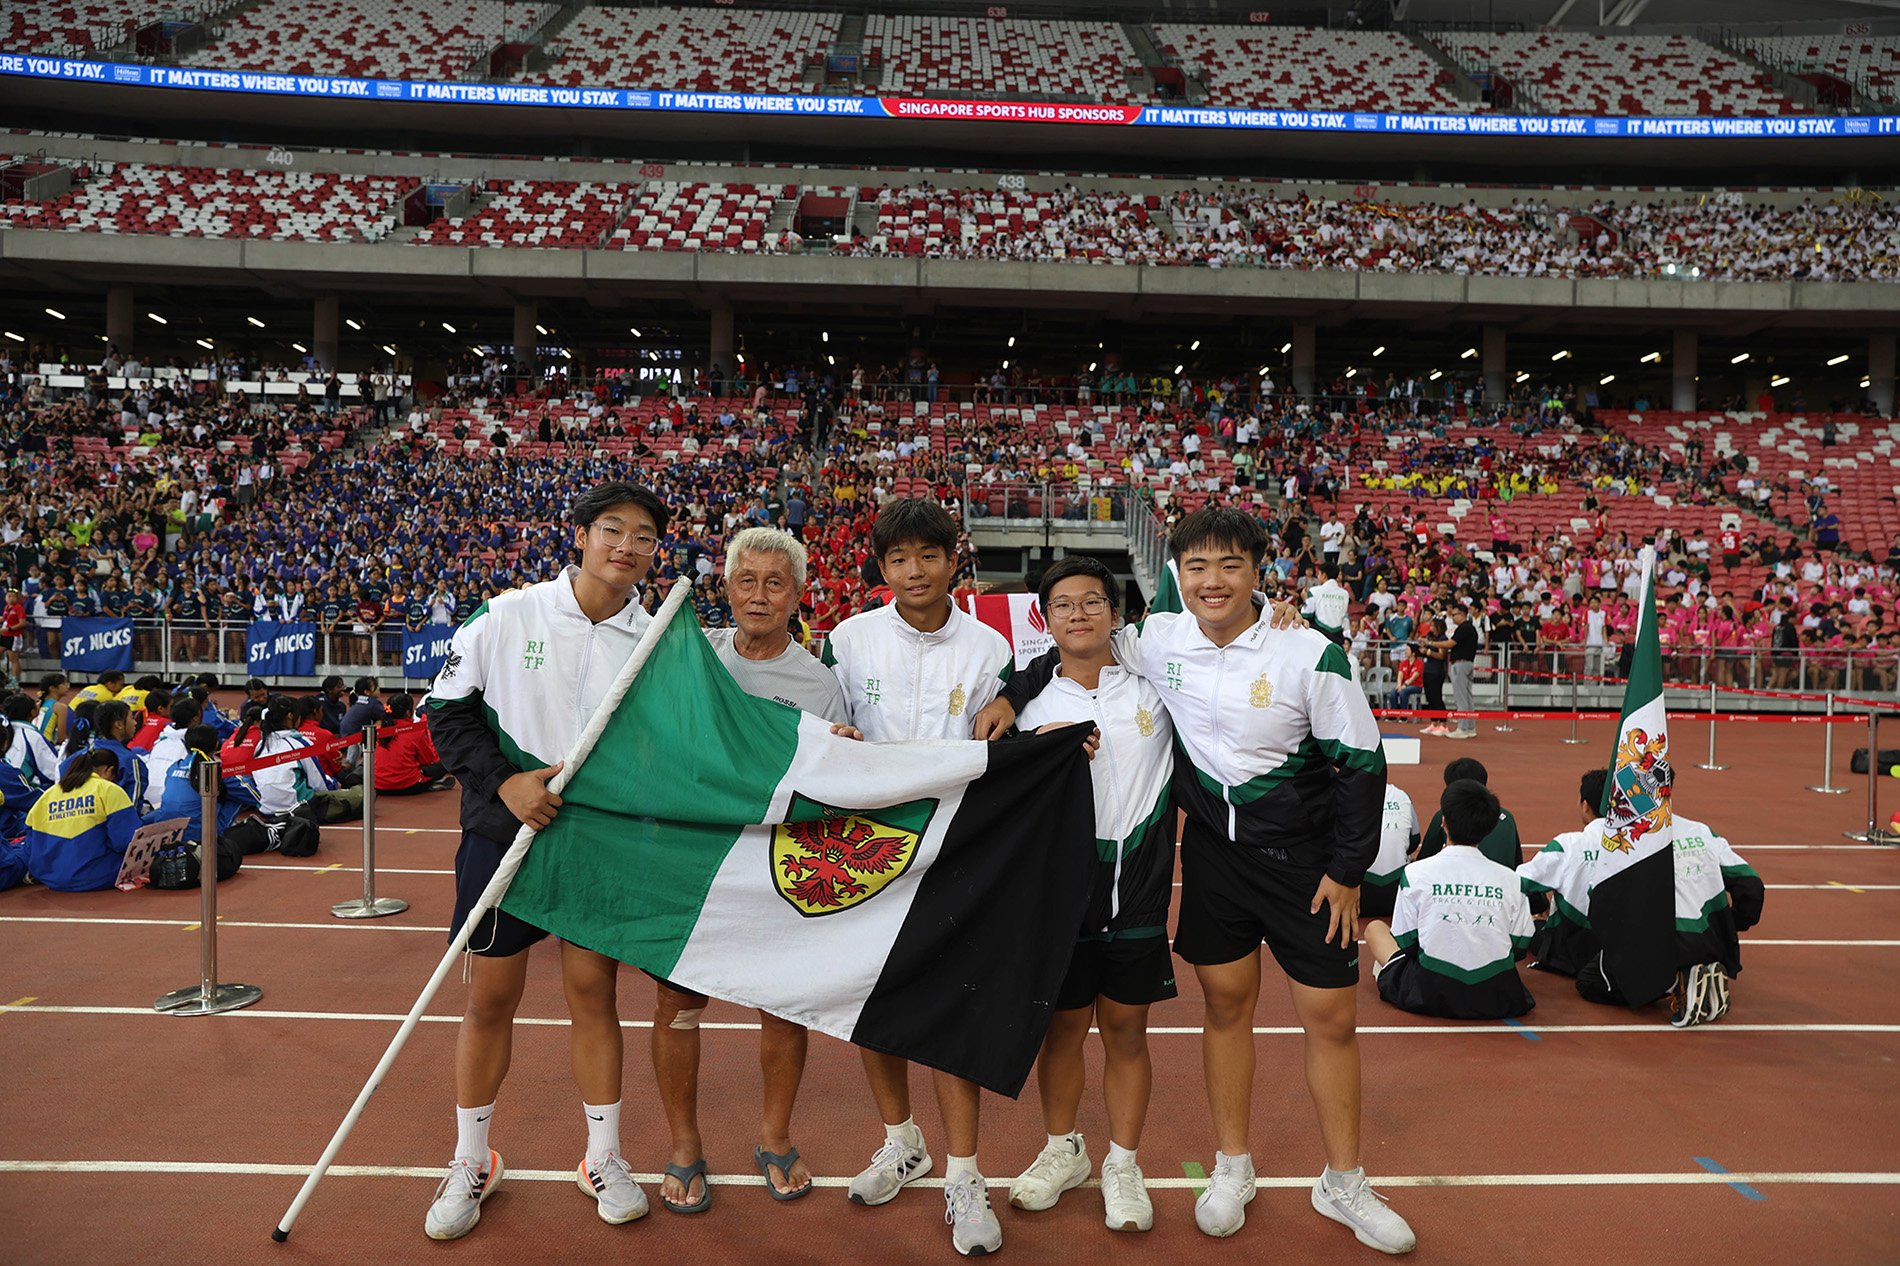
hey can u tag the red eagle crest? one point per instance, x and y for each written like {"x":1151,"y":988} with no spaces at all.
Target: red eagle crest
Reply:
{"x":834,"y":862}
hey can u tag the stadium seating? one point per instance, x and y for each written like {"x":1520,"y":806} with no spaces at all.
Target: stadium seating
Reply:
{"x":34,"y":26}
{"x":1859,"y":466}
{"x":379,"y":39}
{"x":672,"y":215}
{"x":702,"y":50}
{"x":1067,"y":225}
{"x":924,"y":55}
{"x":1571,"y":72}
{"x":1871,"y":63}
{"x":1285,"y":67}
{"x":535,"y":213}
{"x":212,"y":202}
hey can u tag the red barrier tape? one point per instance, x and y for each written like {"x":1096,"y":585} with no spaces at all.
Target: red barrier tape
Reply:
{"x":1690,"y":685}
{"x":1772,"y":718}
{"x":314,"y":751}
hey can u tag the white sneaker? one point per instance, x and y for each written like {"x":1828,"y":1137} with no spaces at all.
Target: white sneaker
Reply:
{"x":1058,"y":1167}
{"x":458,"y":1199}
{"x":1125,"y":1197}
{"x":617,"y":1196}
{"x":898,"y":1162}
{"x":1222,"y":1207}
{"x":1358,"y":1206}
{"x":974,"y":1230}
{"x":1701,"y":995}
{"x":1433,"y":728}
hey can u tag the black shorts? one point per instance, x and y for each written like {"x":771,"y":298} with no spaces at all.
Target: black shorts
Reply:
{"x":1133,"y":971}
{"x":1376,"y":900}
{"x":1408,"y":985}
{"x":1234,"y":898}
{"x":499,"y":934}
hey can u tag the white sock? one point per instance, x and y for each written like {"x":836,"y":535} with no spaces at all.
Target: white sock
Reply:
{"x":1243,"y":1160}
{"x":1063,"y":1140}
{"x":961,"y":1167}
{"x":603,"y":1129}
{"x":905,"y":1130}
{"x":1119,"y":1155}
{"x":471,"y":1133}
{"x":1345,"y":1178}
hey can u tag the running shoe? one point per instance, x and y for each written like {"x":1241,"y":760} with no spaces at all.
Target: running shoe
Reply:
{"x":898,"y":1162}
{"x":1125,"y":1200}
{"x":610,"y":1182}
{"x":1059,"y":1167}
{"x":974,"y":1230}
{"x":1356,"y":1205}
{"x":1221,"y":1208}
{"x":457,"y":1206}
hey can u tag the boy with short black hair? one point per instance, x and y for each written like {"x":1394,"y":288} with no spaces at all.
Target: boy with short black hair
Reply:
{"x":1501,"y":843}
{"x":920,"y":668}
{"x":1459,"y":925}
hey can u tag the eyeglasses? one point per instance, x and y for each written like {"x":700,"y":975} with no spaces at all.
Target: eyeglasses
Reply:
{"x":1062,"y":608}
{"x":614,"y":537}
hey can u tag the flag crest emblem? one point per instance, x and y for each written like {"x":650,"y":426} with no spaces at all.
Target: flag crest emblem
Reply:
{"x":1639,"y":790}
{"x":835,"y":860}
{"x":1260,"y":694}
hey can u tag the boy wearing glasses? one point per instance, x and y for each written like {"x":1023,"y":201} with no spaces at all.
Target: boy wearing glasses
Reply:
{"x":1121,"y":963}
{"x":524,"y":674}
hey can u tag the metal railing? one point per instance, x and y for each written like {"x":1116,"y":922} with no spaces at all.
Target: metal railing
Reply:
{"x":1081,"y":505}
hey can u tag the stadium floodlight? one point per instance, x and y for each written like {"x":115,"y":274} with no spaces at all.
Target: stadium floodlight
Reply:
{"x":566,"y":354}
{"x":1195,"y":346}
{"x":351,"y":322}
{"x":1091,"y":367}
{"x":831,"y":360}
{"x":205,"y":343}
{"x":635,"y":331}
{"x":1436,"y":375}
{"x":1468,"y":353}
{"x":448,"y":327}
{"x":1351,"y":372}
{"x":1653,"y":356}
{"x":1779,"y":380}
{"x":56,"y":314}
{"x":1005,"y":364}
{"x":300,"y":347}
{"x":826,"y":336}
{"x":1379,"y":350}
{"x":389,"y":348}
{"x":1560,"y":355}
{"x":1864,"y":383}
{"x":15,"y":337}
{"x":1011,"y":343}
{"x":1696,"y":271}
{"x":540,"y":329}
{"x":1669,"y":270}
{"x":1179,"y":368}
{"x":1838,"y":360}
{"x":254,"y":321}
{"x":162,"y":321}
{"x":1522,"y":376}
{"x":1285,"y":348}
{"x":1738,"y":358}
{"x":1606,"y":380}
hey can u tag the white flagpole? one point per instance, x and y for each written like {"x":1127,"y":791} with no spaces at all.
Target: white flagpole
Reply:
{"x":491,"y":897}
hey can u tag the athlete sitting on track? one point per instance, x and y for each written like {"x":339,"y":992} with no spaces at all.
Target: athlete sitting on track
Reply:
{"x":1460,"y":924}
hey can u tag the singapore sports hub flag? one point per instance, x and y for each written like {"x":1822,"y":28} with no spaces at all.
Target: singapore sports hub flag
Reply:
{"x":1633,"y":889}
{"x":921,"y":899}
{"x":1018,"y":617}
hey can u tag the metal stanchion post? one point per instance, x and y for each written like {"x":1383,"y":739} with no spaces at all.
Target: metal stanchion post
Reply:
{"x":1873,"y":780}
{"x":208,"y":997}
{"x":1574,"y":739}
{"x":369,"y":905}
{"x":1710,"y":763}
{"x":1827,"y":787}
{"x":1504,"y":690}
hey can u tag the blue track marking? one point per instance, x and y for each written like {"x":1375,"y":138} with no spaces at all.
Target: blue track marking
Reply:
{"x":1714,"y":1168}
{"x":1523,"y":1030}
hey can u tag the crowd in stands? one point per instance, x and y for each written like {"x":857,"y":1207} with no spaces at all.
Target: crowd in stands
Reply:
{"x":1722,"y":237}
{"x":1526,"y":508}
{"x":759,"y":50}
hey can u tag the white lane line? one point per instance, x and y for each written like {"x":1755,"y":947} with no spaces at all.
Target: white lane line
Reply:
{"x":382,"y":1017}
{"x":356,"y":828}
{"x":383,"y":926}
{"x":399,"y":870}
{"x":1834,"y":886}
{"x":1673,"y":1178}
